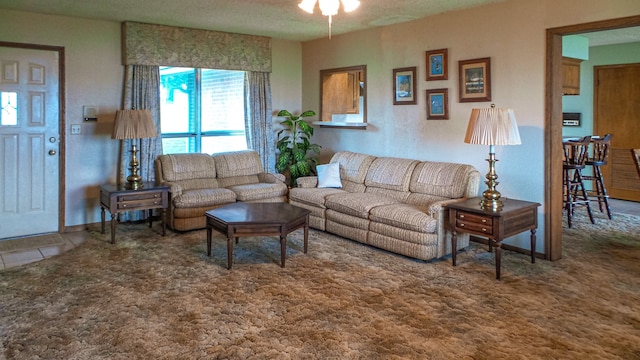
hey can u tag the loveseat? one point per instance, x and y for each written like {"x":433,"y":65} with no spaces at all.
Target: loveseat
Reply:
{"x":391,"y":203}
{"x":201,"y":182}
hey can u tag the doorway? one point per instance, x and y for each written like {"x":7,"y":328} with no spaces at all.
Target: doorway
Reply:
{"x":553,"y":125}
{"x":31,"y":139}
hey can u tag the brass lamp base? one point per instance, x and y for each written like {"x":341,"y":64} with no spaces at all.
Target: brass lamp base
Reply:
{"x":491,"y":204}
{"x":491,"y":197}
{"x":134,"y":181}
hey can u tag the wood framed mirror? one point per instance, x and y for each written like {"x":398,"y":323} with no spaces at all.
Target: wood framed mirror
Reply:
{"x":343,"y":97}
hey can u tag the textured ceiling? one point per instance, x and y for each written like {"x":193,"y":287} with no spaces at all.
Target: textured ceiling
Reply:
{"x":280,"y":19}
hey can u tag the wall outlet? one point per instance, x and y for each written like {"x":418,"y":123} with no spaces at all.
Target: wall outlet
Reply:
{"x":76,"y":129}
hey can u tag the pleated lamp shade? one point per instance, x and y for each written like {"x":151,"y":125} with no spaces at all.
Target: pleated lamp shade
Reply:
{"x":492,"y":126}
{"x":134,"y":124}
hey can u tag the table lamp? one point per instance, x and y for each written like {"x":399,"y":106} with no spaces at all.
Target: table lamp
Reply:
{"x":492,"y":126}
{"x":134,"y":125}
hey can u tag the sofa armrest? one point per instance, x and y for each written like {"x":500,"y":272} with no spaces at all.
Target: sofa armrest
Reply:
{"x":436,"y":208}
{"x":271,"y":178}
{"x":175,"y":189}
{"x":307,"y":181}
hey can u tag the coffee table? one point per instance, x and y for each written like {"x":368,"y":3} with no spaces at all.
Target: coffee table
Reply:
{"x":257,"y":219}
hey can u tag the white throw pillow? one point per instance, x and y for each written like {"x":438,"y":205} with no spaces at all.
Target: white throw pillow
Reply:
{"x":329,"y":175}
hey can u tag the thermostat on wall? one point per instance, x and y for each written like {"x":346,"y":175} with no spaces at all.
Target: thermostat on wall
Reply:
{"x":90,"y":113}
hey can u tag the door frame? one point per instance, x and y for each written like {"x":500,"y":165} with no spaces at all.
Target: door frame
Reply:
{"x":61,"y":121}
{"x":553,"y":125}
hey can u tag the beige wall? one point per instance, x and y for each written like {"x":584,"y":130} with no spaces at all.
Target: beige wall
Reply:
{"x":94,"y":76}
{"x":512,"y":33}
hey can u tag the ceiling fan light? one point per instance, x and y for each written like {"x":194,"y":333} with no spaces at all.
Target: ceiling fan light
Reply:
{"x":350,"y":5}
{"x":329,"y":7}
{"x":307,"y":5}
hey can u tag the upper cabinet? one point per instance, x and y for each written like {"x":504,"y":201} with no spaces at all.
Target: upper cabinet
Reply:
{"x":571,"y":76}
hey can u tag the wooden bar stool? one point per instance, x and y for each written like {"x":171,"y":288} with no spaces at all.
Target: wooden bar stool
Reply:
{"x":635,"y":153}
{"x":598,"y":154}
{"x":575,"y":157}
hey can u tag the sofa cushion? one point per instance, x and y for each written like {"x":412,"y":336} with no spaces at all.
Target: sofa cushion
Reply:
{"x":258,"y":191}
{"x":313,"y":196}
{"x":237,"y":163}
{"x":390,"y":173}
{"x":176,"y":167}
{"x":357,"y":204}
{"x":405,"y":217}
{"x":353,"y":169}
{"x":447,"y":180}
{"x":329,"y":175}
{"x":204,"y":197}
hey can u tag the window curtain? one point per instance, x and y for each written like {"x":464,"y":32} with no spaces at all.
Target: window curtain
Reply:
{"x":258,"y":120}
{"x":141,"y":91}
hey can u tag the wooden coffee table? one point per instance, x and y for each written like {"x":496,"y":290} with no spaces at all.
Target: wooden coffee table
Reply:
{"x":257,"y":219}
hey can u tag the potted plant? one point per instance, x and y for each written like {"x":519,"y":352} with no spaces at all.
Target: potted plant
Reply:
{"x":294,"y":144}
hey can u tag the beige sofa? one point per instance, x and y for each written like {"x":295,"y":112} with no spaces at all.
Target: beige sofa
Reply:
{"x":391,"y":203}
{"x":201,"y":182}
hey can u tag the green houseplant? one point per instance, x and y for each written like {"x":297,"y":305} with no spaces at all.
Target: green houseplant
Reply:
{"x":294,"y":143}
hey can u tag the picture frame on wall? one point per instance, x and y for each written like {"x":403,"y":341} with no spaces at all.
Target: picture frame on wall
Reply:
{"x":404,"y":86}
{"x":437,"y":65}
{"x":475,"y":79}
{"x":438,"y":104}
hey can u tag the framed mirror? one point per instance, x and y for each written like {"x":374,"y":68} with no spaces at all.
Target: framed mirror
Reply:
{"x":343,"y":96}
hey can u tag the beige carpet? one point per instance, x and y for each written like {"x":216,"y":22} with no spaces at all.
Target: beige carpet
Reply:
{"x":150,"y":297}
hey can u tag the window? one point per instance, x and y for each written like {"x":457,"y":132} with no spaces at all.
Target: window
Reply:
{"x":202,"y":110}
{"x":8,"y":108}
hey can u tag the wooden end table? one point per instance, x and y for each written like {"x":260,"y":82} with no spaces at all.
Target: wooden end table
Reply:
{"x":117,"y":199}
{"x":257,"y":219}
{"x":515,"y":217}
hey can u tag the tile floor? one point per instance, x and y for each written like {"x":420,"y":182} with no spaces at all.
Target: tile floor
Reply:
{"x":73,"y":239}
{"x":17,"y":258}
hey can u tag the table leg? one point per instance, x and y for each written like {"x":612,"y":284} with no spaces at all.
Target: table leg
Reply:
{"x":163,"y":218}
{"x":498,"y":246}
{"x":533,"y":246}
{"x":230,"y":251}
{"x":113,"y":228}
{"x":454,"y":246}
{"x":306,"y":234}
{"x":208,"y":240}
{"x":283,"y":249}
{"x":150,"y":217}
{"x":102,"y":217}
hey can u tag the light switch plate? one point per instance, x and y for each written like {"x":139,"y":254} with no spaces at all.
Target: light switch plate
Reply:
{"x":76,"y":129}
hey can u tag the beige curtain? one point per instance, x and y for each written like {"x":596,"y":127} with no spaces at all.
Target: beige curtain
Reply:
{"x":141,"y":91}
{"x":258,"y":119}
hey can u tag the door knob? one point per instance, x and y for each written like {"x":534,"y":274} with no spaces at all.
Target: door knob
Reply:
{"x":52,"y":152}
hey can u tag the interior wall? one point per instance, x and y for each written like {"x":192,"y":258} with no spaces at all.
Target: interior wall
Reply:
{"x":628,"y":53}
{"x":516,"y":45}
{"x":94,"y":76}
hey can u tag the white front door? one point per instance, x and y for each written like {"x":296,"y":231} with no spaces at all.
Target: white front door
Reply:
{"x":29,"y":141}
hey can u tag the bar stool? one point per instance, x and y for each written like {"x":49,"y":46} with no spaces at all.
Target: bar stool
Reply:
{"x":599,"y":153}
{"x":575,"y":157}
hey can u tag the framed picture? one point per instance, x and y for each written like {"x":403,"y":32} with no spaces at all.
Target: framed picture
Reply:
{"x":438,"y":104}
{"x":404,"y":86}
{"x":437,"y":65}
{"x":475,"y":79}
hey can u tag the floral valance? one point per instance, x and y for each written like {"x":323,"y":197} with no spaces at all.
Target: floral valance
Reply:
{"x":150,"y":44}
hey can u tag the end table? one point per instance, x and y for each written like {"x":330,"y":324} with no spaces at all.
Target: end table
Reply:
{"x":515,"y":217}
{"x":117,"y":199}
